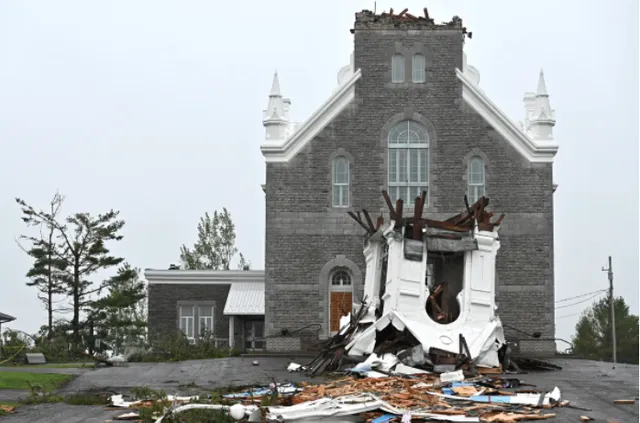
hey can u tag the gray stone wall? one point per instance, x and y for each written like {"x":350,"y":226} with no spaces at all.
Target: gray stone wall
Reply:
{"x":163,"y":304}
{"x":304,"y":233}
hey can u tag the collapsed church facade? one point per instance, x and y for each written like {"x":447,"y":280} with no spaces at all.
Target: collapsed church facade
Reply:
{"x":408,"y":117}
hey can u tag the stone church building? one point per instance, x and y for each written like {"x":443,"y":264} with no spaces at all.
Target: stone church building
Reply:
{"x":408,"y":114}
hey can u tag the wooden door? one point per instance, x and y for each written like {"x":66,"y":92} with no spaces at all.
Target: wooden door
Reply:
{"x":341,"y":304}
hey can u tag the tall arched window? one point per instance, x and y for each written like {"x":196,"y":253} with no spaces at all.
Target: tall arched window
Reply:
{"x":340,"y":182}
{"x":418,"y":69}
{"x":475,"y":178}
{"x":408,"y":161}
{"x":397,"y":68}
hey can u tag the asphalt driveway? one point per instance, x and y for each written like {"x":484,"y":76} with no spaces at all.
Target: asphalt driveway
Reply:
{"x":586,"y":384}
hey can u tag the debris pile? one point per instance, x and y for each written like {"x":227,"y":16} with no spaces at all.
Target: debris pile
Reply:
{"x":420,"y":397}
{"x":426,"y":396}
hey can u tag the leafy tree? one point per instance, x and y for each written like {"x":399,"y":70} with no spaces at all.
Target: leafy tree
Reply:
{"x":81,"y":245}
{"x":593,"y":332}
{"x":47,"y":266}
{"x":120,"y":316}
{"x":215,"y":247}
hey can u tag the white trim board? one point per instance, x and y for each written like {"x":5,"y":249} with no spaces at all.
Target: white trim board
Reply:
{"x":532,"y":150}
{"x":211,"y":277}
{"x":283,"y":151}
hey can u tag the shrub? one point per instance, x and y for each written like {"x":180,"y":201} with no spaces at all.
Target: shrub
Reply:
{"x":174,"y":346}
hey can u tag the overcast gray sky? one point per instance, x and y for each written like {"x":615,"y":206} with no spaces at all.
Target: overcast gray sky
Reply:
{"x":154,"y":108}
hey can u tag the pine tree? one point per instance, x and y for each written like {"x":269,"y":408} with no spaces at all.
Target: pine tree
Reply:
{"x":81,"y":249}
{"x":593,"y":332}
{"x":47,"y":266}
{"x":120,"y":316}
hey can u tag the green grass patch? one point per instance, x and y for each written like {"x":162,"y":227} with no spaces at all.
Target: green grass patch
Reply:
{"x":72,"y":365}
{"x":19,"y":380}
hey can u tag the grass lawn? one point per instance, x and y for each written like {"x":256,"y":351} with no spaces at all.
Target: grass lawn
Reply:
{"x":18,"y":380}
{"x":75,"y":364}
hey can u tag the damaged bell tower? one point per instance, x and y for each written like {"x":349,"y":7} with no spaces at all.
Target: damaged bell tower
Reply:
{"x":403,"y":296}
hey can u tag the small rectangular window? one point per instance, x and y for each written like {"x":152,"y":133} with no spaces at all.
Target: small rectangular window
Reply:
{"x":205,"y":323}
{"x":187,"y":317}
{"x":475,"y":179}
{"x":397,"y":68}
{"x":340,"y":182}
{"x":418,"y":69}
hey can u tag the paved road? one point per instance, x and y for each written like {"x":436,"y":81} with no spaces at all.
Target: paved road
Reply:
{"x":218,"y":373}
{"x":585,"y":383}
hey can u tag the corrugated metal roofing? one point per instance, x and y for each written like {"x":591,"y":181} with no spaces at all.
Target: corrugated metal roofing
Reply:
{"x":245,"y":298}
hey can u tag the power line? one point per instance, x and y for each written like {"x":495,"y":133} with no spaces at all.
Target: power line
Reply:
{"x":580,"y":296}
{"x":568,"y":315}
{"x":583,"y":301}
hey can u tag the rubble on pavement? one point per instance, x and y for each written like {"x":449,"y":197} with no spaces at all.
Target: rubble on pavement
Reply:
{"x":421,"y":397}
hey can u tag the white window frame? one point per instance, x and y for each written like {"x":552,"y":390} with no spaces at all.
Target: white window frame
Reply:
{"x":341,"y":187}
{"x":184,"y":320}
{"x":195,"y":318}
{"x":475,"y":188}
{"x":407,"y":190}
{"x":211,"y":319}
{"x":397,"y":68}
{"x":341,"y":286}
{"x":419,"y":68}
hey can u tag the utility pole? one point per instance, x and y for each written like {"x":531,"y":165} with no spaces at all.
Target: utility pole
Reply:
{"x":613,"y":313}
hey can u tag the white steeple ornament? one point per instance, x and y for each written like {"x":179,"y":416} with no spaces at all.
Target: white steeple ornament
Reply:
{"x":276,"y":116}
{"x":540,"y":116}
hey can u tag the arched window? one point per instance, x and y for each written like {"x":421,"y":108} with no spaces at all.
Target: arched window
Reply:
{"x":418,"y":69}
{"x":340,"y":278}
{"x":397,"y":68}
{"x":475,"y":178}
{"x":408,"y":169}
{"x":340,"y":182}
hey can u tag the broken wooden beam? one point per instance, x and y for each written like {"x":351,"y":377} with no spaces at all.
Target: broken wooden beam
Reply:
{"x":357,"y":219}
{"x":445,"y":225}
{"x":387,"y":200}
{"x":437,"y":244}
{"x":398,"y":212}
{"x":372,"y":228}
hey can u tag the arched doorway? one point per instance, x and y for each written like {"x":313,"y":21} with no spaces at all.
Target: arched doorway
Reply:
{"x":340,"y":297}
